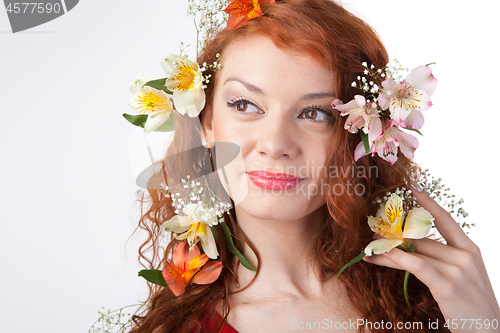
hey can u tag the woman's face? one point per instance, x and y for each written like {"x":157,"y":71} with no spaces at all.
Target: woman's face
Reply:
{"x":276,"y":106}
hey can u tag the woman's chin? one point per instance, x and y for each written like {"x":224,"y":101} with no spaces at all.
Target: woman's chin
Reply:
{"x":277,"y":205}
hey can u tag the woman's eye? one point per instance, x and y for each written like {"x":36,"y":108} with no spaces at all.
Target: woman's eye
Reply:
{"x":242,"y":105}
{"x":316,"y":115}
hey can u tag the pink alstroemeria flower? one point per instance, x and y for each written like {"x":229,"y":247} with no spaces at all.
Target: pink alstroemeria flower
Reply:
{"x":406,"y":99}
{"x":360,"y":115}
{"x":386,"y":145}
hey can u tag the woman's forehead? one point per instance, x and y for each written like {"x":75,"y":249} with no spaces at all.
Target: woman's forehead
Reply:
{"x":258,"y":59}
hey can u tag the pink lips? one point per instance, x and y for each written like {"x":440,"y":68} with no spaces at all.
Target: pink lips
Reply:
{"x":273,"y":181}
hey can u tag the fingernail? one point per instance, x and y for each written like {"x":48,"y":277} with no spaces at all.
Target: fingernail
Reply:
{"x":416,"y":187}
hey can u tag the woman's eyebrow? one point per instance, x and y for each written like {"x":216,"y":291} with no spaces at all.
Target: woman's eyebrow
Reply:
{"x":247,"y":85}
{"x":319,"y":95}
{"x":251,"y":87}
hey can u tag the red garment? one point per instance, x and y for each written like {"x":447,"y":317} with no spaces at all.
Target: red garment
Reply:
{"x":227,"y":328}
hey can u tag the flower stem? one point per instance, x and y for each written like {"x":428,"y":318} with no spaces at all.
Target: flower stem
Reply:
{"x":405,"y":289}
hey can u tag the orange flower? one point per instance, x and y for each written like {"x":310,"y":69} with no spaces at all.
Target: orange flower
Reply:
{"x":243,"y":10}
{"x":186,"y":269}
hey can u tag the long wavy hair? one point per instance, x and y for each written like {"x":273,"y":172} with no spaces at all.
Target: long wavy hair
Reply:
{"x":342,"y":42}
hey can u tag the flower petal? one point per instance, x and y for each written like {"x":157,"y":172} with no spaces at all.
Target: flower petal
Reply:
{"x":209,"y":273}
{"x":381,"y":212}
{"x":190,"y":209}
{"x":189,"y":101}
{"x":400,"y":108}
{"x":197,"y":261}
{"x":374,"y":129}
{"x":384,"y":99}
{"x":243,"y":10}
{"x":376,"y":223}
{"x":192,"y":253}
{"x":155,"y":120}
{"x":418,"y":223}
{"x":422,"y":78}
{"x":394,"y":209}
{"x":360,"y":151}
{"x":208,"y":243}
{"x":355,"y":111}
{"x":178,"y":224}
{"x":235,"y":21}
{"x":380,"y":246}
{"x":143,"y":77}
{"x":168,"y":63}
{"x":415,"y":120}
{"x":150,"y":100}
{"x":407,"y":143}
{"x":180,"y":255}
{"x":382,"y":227}
{"x":174,"y":279}
{"x":388,"y":152}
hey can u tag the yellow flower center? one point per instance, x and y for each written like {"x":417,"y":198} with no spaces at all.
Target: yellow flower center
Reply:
{"x":255,"y":11}
{"x":408,"y":98}
{"x":196,"y":232}
{"x":150,"y":102}
{"x":186,"y":78}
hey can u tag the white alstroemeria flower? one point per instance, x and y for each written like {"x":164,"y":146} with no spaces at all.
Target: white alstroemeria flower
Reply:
{"x":168,"y":63}
{"x":389,"y":222}
{"x":156,"y":103}
{"x":186,"y":82}
{"x":195,"y":227}
{"x":136,"y":86}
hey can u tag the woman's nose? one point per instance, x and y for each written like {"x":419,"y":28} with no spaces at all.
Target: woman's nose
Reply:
{"x":276,"y":136}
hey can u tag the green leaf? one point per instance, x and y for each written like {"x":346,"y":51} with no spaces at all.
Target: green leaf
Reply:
{"x":214,"y":231}
{"x":364,"y":138}
{"x":140,"y":120}
{"x":137,"y":120}
{"x":158,"y":84}
{"x":230,"y":246}
{"x":353,"y":261}
{"x":153,"y":276}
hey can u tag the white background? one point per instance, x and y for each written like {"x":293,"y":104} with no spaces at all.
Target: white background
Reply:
{"x":67,"y":201}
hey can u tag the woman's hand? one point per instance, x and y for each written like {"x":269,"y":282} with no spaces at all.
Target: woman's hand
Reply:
{"x":454,"y":272}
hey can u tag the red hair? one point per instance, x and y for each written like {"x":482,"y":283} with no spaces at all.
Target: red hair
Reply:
{"x":342,"y":42}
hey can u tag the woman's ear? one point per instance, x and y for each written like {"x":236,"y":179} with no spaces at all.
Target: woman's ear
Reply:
{"x":207,"y":137}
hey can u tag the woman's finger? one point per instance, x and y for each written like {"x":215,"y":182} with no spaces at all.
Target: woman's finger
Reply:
{"x":381,"y":261}
{"x":429,"y":267}
{"x":445,"y":224}
{"x":446,"y":253}
{"x":428,"y":270}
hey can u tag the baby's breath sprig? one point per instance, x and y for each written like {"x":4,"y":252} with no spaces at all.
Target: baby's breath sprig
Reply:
{"x":394,"y":68}
{"x":208,"y":18}
{"x":194,"y":192}
{"x":116,"y":321}
{"x":212,"y":67}
{"x":367,"y":83}
{"x":438,"y":192}
{"x":409,"y":201}
{"x":441,"y":194}
{"x":182,"y":47}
